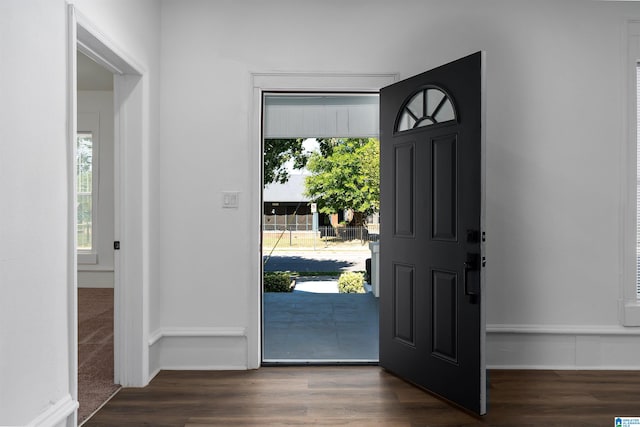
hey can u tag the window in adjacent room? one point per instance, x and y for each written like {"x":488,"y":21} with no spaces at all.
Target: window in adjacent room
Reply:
{"x":637,"y":114}
{"x":629,"y":302}
{"x":85,"y":190}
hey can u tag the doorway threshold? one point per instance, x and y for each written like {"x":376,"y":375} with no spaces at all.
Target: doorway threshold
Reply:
{"x":318,"y":362}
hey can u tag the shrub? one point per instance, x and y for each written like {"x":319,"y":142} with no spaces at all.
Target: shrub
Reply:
{"x":277,"y":281}
{"x":351,"y":282}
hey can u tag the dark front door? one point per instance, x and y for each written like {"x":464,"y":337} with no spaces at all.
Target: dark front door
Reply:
{"x":431,"y":302}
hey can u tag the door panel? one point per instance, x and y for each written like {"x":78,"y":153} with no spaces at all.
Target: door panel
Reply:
{"x":444,"y":185}
{"x":404,"y":304}
{"x":431,"y":305}
{"x":445,"y":315}
{"x":404,"y":192}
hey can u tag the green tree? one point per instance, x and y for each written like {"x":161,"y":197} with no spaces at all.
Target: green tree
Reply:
{"x":277,"y":152}
{"x":345,"y":174}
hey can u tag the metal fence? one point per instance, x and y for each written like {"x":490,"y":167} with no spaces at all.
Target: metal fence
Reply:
{"x":288,"y":222}
{"x":325,"y":236}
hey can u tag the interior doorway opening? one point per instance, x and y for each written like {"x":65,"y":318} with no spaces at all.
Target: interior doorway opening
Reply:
{"x":309,"y":243}
{"x":130,"y":205}
{"x":95,"y":210}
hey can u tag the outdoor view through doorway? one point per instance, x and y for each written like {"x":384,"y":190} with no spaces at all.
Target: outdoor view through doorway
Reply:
{"x":320,"y":227}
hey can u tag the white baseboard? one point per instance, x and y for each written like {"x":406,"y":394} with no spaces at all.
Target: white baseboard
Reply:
{"x":562,"y":329}
{"x":563,"y":347}
{"x":206,"y":332}
{"x":217,"y":349}
{"x":57,"y":415}
{"x":560,"y":347}
{"x":95,"y":279}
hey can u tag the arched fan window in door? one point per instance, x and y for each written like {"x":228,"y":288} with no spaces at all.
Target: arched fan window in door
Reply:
{"x":426,"y":107}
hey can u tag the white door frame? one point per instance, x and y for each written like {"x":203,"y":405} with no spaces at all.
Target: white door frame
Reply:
{"x":131,"y":203}
{"x":287,"y":82}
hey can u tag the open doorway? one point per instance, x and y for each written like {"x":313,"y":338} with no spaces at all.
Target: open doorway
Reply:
{"x":318,"y":238}
{"x":95,"y":235}
{"x":130,"y":204}
{"x":131,"y":201}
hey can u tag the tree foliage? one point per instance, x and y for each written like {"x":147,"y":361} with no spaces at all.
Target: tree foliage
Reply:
{"x":277,"y":152}
{"x":345,"y":174}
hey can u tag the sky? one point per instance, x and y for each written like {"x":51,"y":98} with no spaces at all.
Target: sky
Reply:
{"x":310,"y":145}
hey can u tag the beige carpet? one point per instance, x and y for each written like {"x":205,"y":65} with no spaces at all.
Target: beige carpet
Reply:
{"x":95,"y":350}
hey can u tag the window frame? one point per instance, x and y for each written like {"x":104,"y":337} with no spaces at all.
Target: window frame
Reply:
{"x":432,"y":116}
{"x":629,"y":302}
{"x":89,"y":123}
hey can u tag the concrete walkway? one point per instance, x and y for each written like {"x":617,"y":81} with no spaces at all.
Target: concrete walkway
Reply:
{"x":316,"y":285}
{"x":315,"y":323}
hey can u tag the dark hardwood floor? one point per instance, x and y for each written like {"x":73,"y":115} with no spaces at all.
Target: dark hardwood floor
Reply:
{"x":367,"y":396}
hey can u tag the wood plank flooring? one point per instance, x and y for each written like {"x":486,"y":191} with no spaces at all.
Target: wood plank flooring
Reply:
{"x":367,"y":396}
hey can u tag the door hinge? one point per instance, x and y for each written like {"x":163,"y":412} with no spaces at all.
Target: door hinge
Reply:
{"x":116,"y":245}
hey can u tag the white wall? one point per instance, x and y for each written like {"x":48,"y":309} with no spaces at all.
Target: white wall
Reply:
{"x":97,"y":106}
{"x":555,"y":139}
{"x":35,"y":378}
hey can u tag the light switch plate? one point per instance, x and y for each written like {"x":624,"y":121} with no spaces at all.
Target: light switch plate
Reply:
{"x":230,"y":199}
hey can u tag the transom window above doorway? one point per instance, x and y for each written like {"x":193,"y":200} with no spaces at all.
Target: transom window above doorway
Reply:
{"x":426,"y":107}
{"x":320,"y":115}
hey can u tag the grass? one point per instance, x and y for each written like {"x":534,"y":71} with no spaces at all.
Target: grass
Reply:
{"x":271,"y":241}
{"x":309,"y":273}
{"x":317,"y":273}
